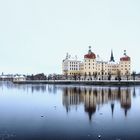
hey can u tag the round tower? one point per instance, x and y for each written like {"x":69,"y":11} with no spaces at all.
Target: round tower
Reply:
{"x":89,"y":62}
{"x":125,"y":64}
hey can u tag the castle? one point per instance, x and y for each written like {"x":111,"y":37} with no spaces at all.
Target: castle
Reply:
{"x":94,"y":66}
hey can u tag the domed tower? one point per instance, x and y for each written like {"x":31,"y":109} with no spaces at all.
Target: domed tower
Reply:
{"x":125,"y":64}
{"x":89,"y":62}
{"x":90,"y":54}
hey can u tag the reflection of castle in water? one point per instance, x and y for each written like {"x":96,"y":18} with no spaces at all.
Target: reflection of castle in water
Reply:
{"x":93,"y":98}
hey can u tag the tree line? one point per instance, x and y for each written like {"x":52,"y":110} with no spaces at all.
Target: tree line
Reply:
{"x":94,"y":76}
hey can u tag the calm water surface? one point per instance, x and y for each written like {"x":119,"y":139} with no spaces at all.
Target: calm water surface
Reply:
{"x":59,"y":112}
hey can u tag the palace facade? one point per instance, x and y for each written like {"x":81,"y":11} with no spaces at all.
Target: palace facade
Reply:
{"x":93,"y":65}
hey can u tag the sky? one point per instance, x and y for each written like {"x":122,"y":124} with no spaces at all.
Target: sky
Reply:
{"x":35,"y":35}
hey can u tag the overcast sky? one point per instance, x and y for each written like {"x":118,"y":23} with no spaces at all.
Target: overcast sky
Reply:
{"x":35,"y":35}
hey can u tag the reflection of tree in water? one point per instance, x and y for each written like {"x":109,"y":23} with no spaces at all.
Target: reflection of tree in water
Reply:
{"x":112,"y":108}
{"x":95,"y":97}
{"x":70,"y":98}
{"x":52,"y":89}
{"x":134,"y":92}
{"x":24,"y":87}
{"x":38,"y":88}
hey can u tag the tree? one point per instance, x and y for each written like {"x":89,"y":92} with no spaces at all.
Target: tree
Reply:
{"x":119,"y":75}
{"x":90,"y":76}
{"x":32,"y":77}
{"x":109,"y":76}
{"x":66,"y":76}
{"x":127,"y":75}
{"x":54,"y":77}
{"x":95,"y":75}
{"x":49,"y":77}
{"x":75,"y":77}
{"x":134,"y":75}
{"x":102,"y":74}
{"x":85,"y":76}
{"x":79,"y":76}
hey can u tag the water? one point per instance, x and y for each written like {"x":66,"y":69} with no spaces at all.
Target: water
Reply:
{"x":61,"y":112}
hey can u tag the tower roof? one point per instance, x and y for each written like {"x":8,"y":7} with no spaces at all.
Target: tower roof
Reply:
{"x":125,"y":57}
{"x":90,"y":54}
{"x":112,"y":57}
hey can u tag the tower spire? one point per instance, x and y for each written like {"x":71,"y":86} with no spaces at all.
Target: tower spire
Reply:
{"x":89,"y":50}
{"x":112,"y":57}
{"x":124,"y":52}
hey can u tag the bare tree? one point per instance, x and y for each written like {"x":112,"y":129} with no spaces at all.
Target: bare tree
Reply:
{"x":90,"y":76}
{"x":75,"y":76}
{"x":95,"y":75}
{"x":109,"y":76}
{"x":119,"y":75}
{"x":85,"y":76}
{"x":79,"y":76}
{"x":102,"y":74}
{"x":66,"y":76}
{"x":127,"y":75}
{"x":134,"y":75}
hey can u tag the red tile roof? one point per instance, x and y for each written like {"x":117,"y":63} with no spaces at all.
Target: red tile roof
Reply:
{"x":90,"y":56}
{"x":125,"y":58}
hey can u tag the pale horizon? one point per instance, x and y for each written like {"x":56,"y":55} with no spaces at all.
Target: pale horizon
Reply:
{"x":35,"y":35}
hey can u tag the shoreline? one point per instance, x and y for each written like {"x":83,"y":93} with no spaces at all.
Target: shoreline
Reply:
{"x":70,"y":82}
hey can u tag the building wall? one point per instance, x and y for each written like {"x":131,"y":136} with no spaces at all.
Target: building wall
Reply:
{"x":91,"y":66}
{"x":125,"y":67}
{"x":71,"y":66}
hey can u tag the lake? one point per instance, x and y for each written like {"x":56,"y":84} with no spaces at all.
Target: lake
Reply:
{"x":63,"y":112}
